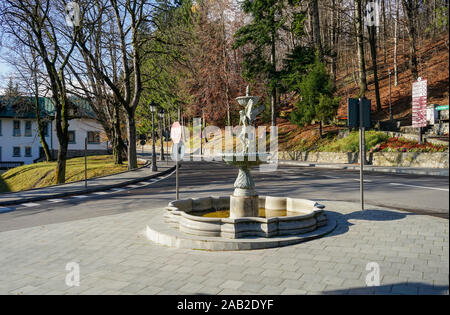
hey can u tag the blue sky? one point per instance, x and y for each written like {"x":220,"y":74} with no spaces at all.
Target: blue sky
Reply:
{"x":5,"y":69}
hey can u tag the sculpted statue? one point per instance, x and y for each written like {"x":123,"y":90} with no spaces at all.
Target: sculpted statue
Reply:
{"x":247,"y":117}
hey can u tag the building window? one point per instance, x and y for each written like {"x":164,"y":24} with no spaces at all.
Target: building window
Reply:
{"x":28,"y":151}
{"x":16,"y":152}
{"x":93,"y":137}
{"x":28,"y":128}
{"x":72,"y":137}
{"x":16,"y":130}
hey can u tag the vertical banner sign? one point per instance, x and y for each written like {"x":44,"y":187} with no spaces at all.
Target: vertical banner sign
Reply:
{"x":419,"y":103}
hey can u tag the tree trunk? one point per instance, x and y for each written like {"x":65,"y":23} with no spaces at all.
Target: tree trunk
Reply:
{"x":132,"y":154}
{"x":48,"y":154}
{"x":118,"y":144}
{"x":273,"y":99}
{"x":334,"y":43}
{"x":61,"y":164}
{"x":62,"y":127}
{"x":39,"y":122}
{"x":360,"y":43}
{"x":373,"y":50}
{"x":316,"y":24}
{"x":383,"y":10}
{"x":396,"y":43}
{"x":410,"y":8}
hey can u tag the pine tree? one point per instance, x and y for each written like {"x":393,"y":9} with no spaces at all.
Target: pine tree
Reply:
{"x":262,"y":34}
{"x":12,"y":90}
{"x":316,"y":97}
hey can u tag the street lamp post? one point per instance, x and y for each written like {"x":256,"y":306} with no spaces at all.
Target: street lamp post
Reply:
{"x":153,"y":110}
{"x":167,"y":130}
{"x":390,"y":98}
{"x":161,"y":119}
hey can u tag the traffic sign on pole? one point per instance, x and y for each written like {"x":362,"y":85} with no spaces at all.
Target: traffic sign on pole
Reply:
{"x":353,"y":112}
{"x":419,"y":105}
{"x":175,"y":132}
{"x":178,"y":151}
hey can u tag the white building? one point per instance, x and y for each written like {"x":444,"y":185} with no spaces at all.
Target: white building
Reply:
{"x":20,"y":142}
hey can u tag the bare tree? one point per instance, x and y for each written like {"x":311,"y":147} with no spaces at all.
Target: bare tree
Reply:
{"x":40,"y":25}
{"x":410,"y":7}
{"x":129,"y":17}
{"x":360,"y":47}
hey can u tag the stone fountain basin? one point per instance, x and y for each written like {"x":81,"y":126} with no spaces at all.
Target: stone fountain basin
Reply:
{"x":181,"y":215}
{"x":245,"y":159}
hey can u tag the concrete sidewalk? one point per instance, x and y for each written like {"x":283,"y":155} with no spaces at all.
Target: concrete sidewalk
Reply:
{"x":369,"y":168}
{"x":409,"y":251}
{"x":93,"y":185}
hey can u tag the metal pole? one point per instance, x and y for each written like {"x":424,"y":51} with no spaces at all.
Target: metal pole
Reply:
{"x":167,"y":140}
{"x":85,"y":163}
{"x":177,"y":187}
{"x":154,"y":167}
{"x":420,"y":135}
{"x":161,"y":136}
{"x":361,"y":153}
{"x":390,"y":98}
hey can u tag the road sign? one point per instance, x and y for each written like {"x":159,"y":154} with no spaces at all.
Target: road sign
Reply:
{"x":359,"y":116}
{"x":442,"y":107}
{"x":175,"y":132}
{"x":353,"y":113}
{"x":143,"y":142}
{"x":178,"y":150}
{"x":419,"y":103}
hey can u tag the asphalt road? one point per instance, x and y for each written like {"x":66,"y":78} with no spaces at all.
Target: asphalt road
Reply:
{"x":419,"y":194}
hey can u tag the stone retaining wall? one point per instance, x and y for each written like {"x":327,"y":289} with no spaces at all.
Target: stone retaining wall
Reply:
{"x":320,"y":157}
{"x":397,"y":159}
{"x":411,"y":159}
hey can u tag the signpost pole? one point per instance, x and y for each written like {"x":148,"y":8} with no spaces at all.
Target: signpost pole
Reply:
{"x":361,"y":153}
{"x":177,"y":187}
{"x":420,"y":135}
{"x":390,"y":98}
{"x":167,"y":140}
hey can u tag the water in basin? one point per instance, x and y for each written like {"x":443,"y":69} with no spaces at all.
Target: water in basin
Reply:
{"x":263,"y":213}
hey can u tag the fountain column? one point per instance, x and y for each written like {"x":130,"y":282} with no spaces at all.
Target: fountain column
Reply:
{"x":244,"y":202}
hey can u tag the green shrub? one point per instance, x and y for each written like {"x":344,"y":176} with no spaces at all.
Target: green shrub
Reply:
{"x":351,"y":143}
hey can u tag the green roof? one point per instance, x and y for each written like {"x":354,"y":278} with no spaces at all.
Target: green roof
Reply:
{"x":23,"y":107}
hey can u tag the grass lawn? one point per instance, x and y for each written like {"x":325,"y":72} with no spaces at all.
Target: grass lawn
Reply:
{"x":43,"y":174}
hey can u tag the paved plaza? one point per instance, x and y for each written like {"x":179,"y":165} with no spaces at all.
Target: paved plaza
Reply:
{"x":115,"y":257}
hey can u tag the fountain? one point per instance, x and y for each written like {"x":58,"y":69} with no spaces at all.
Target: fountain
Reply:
{"x":244,"y":202}
{"x":243,"y":220}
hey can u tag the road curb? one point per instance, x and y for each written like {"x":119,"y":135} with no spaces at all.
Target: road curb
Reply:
{"x":88,"y":190}
{"x":368,"y":168}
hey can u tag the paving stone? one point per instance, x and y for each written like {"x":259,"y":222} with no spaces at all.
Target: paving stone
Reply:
{"x":116,"y":259}
{"x":231,"y":284}
{"x":289,"y":291}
